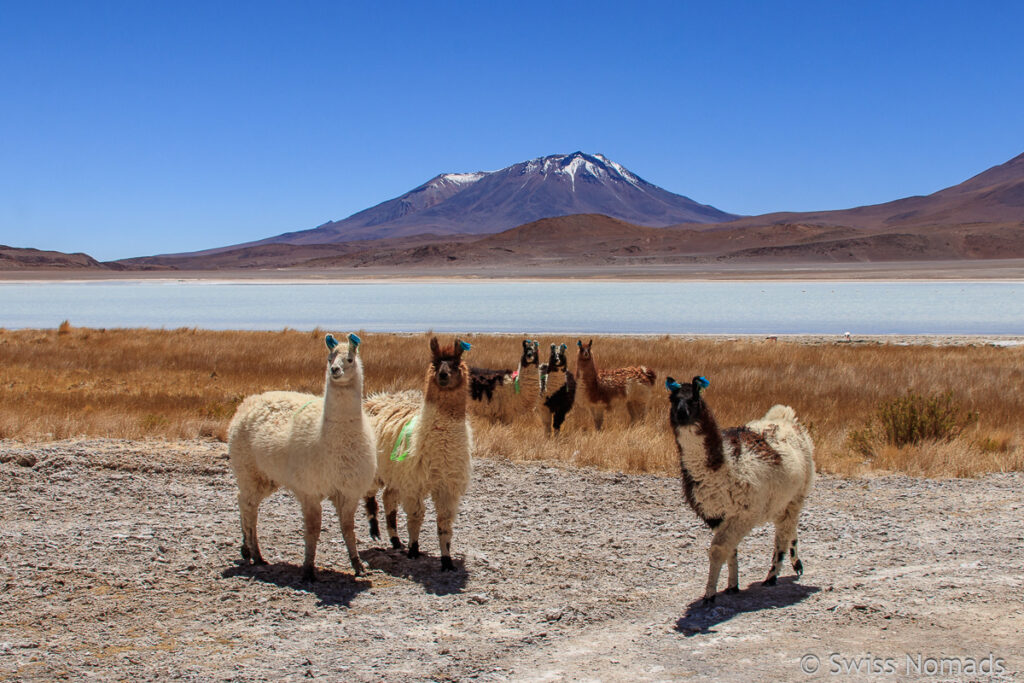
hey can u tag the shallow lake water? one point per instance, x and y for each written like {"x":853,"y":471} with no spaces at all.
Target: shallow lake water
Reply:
{"x":575,"y":307}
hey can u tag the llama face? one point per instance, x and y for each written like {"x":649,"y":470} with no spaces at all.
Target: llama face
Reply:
{"x":342,"y":361}
{"x":446,"y":367}
{"x":556,"y":360}
{"x":584,"y":349}
{"x":531,"y":353}
{"x":685,"y":402}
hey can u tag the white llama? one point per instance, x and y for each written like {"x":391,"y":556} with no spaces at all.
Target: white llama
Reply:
{"x":739,"y":478}
{"x":317,"y":447}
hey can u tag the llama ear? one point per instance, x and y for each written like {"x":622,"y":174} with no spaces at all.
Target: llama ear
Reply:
{"x":526,"y":343}
{"x":462,"y":346}
{"x":579,"y":343}
{"x":700,"y":383}
{"x":435,"y":348}
{"x":553,"y":346}
{"x":353,"y":343}
{"x":331,"y":342}
{"x":564,"y":347}
{"x":672,"y":385}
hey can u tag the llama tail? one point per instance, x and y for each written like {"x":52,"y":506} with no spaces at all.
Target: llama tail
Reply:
{"x":780,"y":413}
{"x":648,"y":375}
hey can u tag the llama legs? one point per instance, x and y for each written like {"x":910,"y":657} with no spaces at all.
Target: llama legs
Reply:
{"x":391,"y":516}
{"x":251,"y":492}
{"x":371,"y":514}
{"x":347,"y":516}
{"x":723,"y":548}
{"x":447,"y":507}
{"x":311,"y":516}
{"x":414,"y":513}
{"x":734,"y":573}
{"x":598,"y":415}
{"x":785,"y":539}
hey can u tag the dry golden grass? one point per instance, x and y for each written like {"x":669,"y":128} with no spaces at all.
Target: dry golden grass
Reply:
{"x":186,"y":383}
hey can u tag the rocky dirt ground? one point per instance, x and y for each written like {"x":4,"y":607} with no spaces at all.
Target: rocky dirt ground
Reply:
{"x":118,"y":560}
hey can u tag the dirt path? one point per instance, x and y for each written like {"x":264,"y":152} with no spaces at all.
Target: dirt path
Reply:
{"x":118,"y":560}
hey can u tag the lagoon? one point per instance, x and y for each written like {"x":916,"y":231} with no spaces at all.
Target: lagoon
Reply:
{"x":574,"y":307}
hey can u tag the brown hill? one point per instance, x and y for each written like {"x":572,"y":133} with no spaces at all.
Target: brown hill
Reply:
{"x":995,"y":197}
{"x":17,"y":258}
{"x":274,"y":255}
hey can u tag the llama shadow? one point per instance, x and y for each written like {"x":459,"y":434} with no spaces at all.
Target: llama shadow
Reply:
{"x":331,"y":587}
{"x":699,"y":618}
{"x":424,"y":570}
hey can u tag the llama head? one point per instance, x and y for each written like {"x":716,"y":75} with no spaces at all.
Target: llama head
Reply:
{"x":556,"y":359}
{"x":531,"y":353}
{"x":686,"y":404}
{"x":447,"y":370}
{"x":343,"y":364}
{"x":584,"y":350}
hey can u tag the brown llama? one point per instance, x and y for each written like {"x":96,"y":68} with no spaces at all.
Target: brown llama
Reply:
{"x":604,"y":389}
{"x":423,"y":449}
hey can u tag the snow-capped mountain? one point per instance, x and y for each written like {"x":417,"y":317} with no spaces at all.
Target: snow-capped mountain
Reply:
{"x":489,"y":202}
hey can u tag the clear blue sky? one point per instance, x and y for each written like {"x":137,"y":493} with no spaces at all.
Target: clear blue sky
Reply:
{"x":139,"y":127}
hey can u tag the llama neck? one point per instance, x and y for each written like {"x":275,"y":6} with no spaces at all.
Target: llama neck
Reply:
{"x":342,"y":403}
{"x":587,"y":371}
{"x":450,"y":403}
{"x":700,"y":446}
{"x":528,"y":377}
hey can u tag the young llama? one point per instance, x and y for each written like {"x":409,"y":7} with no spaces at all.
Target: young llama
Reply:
{"x":317,"y":447}
{"x":558,"y":397}
{"x":504,"y":394}
{"x":423,"y":448}
{"x":603,"y":389}
{"x":739,"y":478}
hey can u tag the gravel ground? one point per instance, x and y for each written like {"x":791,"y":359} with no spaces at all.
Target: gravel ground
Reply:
{"x":118,"y":560}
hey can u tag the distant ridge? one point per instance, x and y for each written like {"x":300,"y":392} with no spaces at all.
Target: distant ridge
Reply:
{"x":995,"y":197}
{"x":20,"y":258}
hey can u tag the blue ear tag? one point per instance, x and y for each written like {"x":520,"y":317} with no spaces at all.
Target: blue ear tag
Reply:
{"x":331,"y":341}
{"x":672,"y":385}
{"x":564,"y":347}
{"x":703,"y":382}
{"x":354,"y":340}
{"x":579,"y":343}
{"x":465,"y":346}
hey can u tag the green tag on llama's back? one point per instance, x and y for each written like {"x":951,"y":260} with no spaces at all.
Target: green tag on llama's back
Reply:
{"x":309,"y":402}
{"x":398,"y":454}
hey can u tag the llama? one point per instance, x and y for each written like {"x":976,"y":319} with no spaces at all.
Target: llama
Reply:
{"x":503,"y":394}
{"x":317,"y":447}
{"x":558,"y":402}
{"x":603,"y":389}
{"x":739,"y":478}
{"x":423,"y":448}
